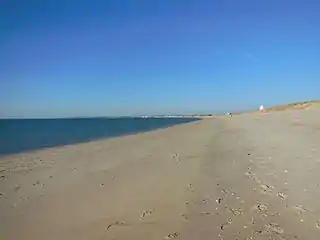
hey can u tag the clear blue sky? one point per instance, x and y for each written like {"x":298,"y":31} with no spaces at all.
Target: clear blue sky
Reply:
{"x":110,"y":57}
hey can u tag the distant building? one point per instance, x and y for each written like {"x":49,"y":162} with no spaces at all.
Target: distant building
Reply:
{"x":261,"y":108}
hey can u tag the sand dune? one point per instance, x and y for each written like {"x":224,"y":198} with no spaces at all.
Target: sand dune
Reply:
{"x":255,"y":176}
{"x":295,"y":106}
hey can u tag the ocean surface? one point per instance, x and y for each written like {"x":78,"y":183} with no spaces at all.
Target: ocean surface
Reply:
{"x":20,"y":135}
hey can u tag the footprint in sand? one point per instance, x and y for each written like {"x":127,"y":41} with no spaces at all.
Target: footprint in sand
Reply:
{"x":261,"y":207}
{"x":318,"y":224}
{"x":172,"y":236}
{"x":282,"y":195}
{"x":185,"y":216}
{"x":176,"y":157}
{"x":224,"y":191}
{"x":117,"y":223}
{"x":235,"y":212}
{"x":252,"y":176}
{"x":301,"y":209}
{"x":219,"y":200}
{"x":204,"y":201}
{"x":205,"y":213}
{"x":274,"y":228}
{"x":249,"y":174}
{"x":146,"y":213}
{"x":228,"y":192}
{"x":266,"y":189}
{"x":190,"y":187}
{"x":229,"y":222}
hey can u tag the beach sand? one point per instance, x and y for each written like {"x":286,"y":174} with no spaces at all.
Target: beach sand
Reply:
{"x":253,"y":176}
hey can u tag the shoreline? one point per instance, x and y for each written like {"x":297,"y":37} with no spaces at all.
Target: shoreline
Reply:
{"x":77,"y":141}
{"x":209,"y":179}
{"x":94,"y":141}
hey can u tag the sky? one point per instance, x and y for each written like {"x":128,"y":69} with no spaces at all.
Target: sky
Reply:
{"x":68,"y":58}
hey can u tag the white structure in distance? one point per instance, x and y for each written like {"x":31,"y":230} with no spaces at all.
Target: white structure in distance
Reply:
{"x":261,"y":108}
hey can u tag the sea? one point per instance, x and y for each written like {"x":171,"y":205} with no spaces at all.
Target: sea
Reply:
{"x":21,"y":135}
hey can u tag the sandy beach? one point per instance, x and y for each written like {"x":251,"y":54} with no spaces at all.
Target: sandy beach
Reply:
{"x":253,"y":176}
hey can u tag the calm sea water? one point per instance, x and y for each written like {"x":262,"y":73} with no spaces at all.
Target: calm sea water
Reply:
{"x":19,"y":135}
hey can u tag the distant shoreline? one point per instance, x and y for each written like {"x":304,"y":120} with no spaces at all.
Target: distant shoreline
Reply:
{"x":25,"y":135}
{"x":74,"y":118}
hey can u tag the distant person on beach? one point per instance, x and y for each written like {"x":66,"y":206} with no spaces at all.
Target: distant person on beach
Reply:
{"x":229,"y":114}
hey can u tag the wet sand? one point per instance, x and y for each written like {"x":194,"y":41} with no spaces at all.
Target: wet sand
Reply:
{"x":255,"y":176}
